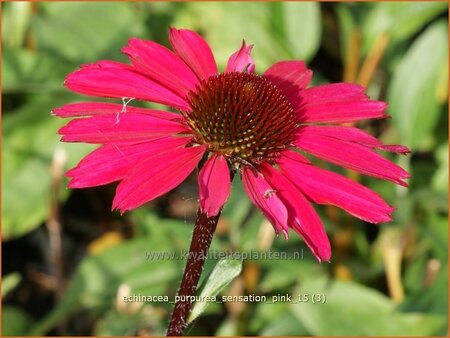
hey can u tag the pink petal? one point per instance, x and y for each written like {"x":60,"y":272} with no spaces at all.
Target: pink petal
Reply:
{"x":350,"y":155}
{"x":303,"y":218}
{"x":128,"y":128}
{"x":105,"y":108}
{"x":325,"y":187}
{"x":287,"y":73}
{"x":156,"y":176}
{"x":241,"y":60}
{"x":291,"y":77}
{"x":214,"y":185}
{"x":161,"y":65}
{"x":111,"y":162}
{"x":334,"y":92}
{"x":266,"y":199}
{"x":339,"y":102}
{"x":350,"y":134}
{"x":194,"y":50}
{"x":112,"y":79}
{"x":334,"y":112}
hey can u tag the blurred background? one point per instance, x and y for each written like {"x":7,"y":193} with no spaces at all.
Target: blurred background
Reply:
{"x":67,"y":260}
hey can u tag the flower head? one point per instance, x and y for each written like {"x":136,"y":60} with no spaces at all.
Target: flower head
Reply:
{"x":253,"y":125}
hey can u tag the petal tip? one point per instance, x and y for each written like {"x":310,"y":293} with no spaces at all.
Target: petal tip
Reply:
{"x":324,"y":256}
{"x":73,"y":184}
{"x":119,"y":209}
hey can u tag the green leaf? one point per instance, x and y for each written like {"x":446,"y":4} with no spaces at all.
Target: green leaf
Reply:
{"x":352,"y":309}
{"x":25,"y":199}
{"x":30,"y":71}
{"x":235,"y":211}
{"x":278,"y":273}
{"x":285,"y":325}
{"x":401,"y":20}
{"x":275,"y":319}
{"x":118,"y":324}
{"x":412,"y":93}
{"x":229,"y":327}
{"x":347,"y":25}
{"x":440,"y":179}
{"x":432,"y":299}
{"x":29,"y":140}
{"x":302,"y":28}
{"x":15,"y":322}
{"x":15,"y":20}
{"x":217,"y":23}
{"x":223,"y":273}
{"x":414,"y":271}
{"x":9,"y":282}
{"x":85,"y":32}
{"x":96,"y":282}
{"x":130,"y":322}
{"x":437,"y":232}
{"x":278,"y":31}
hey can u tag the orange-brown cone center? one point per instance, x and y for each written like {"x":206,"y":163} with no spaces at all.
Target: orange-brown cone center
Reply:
{"x":243,"y":116}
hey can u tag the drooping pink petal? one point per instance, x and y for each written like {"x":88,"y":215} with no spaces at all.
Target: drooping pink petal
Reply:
{"x":266,"y":199}
{"x":325,"y":187}
{"x":115,"y":80}
{"x":350,"y":134}
{"x":291,"y":77}
{"x":161,"y":65}
{"x":156,"y":176}
{"x":214,"y":185}
{"x":339,"y":102}
{"x":302,"y":216}
{"x":122,"y":128}
{"x":241,"y":60}
{"x":106,"y":108}
{"x":111,"y":162}
{"x":194,"y":50}
{"x":350,"y":155}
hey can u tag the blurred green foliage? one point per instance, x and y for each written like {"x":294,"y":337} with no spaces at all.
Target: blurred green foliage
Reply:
{"x":43,"y":42}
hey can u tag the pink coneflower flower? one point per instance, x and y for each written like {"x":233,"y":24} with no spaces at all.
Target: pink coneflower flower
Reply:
{"x":238,"y":122}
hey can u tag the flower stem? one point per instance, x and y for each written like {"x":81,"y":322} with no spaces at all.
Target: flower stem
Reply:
{"x":201,"y":239}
